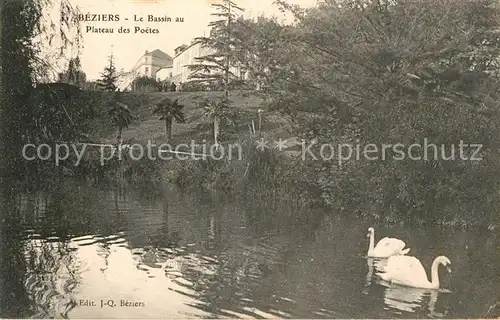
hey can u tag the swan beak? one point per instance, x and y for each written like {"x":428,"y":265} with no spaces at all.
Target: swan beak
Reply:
{"x":368,"y":235}
{"x":448,"y":269}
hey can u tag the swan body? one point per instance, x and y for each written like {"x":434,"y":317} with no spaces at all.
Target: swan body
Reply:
{"x":386,"y":247}
{"x":408,"y":271}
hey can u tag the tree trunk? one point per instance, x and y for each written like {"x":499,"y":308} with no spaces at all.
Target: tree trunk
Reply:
{"x":216,"y":130}
{"x":119,"y":136}
{"x":260,"y":124}
{"x":226,"y":77}
{"x":168,"y":129}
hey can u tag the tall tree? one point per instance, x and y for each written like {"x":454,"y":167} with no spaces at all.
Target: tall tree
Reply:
{"x":169,"y":111}
{"x":215,"y":64}
{"x":109,"y":76}
{"x":74,"y":74}
{"x":262,"y":47}
{"x":27,"y":64}
{"x":25,"y":28}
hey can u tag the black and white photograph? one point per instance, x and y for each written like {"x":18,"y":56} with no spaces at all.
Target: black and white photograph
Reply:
{"x":261,"y":159}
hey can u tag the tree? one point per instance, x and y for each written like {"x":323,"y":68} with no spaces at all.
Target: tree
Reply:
{"x":27,"y":65}
{"x":25,"y":28}
{"x":109,"y":76}
{"x":120,"y":115}
{"x":144,"y":83}
{"x":216,"y":64}
{"x":74,"y":74}
{"x":217,"y":111}
{"x":168,"y":111}
{"x":261,"y":47}
{"x":394,"y":72}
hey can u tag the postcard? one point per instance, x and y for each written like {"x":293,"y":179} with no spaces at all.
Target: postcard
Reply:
{"x":249,"y":159}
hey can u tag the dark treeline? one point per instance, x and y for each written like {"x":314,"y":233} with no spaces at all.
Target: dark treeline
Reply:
{"x":386,"y":73}
{"x":23,"y":118}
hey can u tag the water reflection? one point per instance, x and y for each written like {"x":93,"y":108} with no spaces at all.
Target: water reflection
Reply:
{"x":53,"y":273}
{"x":14,"y":300}
{"x":174,"y":255}
{"x":374,"y":265}
{"x":411,"y":299}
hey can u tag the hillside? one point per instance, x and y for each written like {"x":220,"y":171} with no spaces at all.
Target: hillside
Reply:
{"x":147,"y":126}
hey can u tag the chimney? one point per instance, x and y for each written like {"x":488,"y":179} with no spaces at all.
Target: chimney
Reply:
{"x":146,"y":52}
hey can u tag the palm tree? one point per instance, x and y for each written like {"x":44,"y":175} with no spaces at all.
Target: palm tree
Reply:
{"x":121,"y":117}
{"x":217,"y":111}
{"x":170,"y":110}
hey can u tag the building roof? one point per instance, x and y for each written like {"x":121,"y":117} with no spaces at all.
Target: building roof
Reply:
{"x":181,"y":46}
{"x":186,"y":47}
{"x":159,"y":54}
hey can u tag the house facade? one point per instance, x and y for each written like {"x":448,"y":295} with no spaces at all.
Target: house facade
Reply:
{"x":186,"y":55}
{"x":148,"y":65}
{"x":151,"y":62}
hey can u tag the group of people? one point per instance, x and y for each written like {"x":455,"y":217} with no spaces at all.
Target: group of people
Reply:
{"x":165,"y":86}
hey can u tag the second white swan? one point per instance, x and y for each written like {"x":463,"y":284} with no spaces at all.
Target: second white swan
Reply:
{"x":386,"y":247}
{"x":408,"y":271}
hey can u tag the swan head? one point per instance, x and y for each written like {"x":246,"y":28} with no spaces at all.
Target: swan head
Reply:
{"x":370,"y":231}
{"x":445,"y":262}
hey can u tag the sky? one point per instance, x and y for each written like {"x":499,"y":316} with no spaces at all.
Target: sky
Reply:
{"x":128,"y":48}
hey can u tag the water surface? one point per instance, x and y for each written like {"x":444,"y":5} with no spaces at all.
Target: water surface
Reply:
{"x":119,"y":252}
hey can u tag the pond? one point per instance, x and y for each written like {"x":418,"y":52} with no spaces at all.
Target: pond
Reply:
{"x":122,"y":252}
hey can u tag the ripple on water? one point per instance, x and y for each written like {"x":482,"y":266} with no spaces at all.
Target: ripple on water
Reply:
{"x":89,"y":240}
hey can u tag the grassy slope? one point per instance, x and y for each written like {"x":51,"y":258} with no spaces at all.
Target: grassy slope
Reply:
{"x":146,"y":126}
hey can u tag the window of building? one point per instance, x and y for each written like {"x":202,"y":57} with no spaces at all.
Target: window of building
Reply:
{"x":146,"y":70}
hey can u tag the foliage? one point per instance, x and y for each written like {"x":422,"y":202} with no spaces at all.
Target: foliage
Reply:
{"x":74,"y":74}
{"x":170,"y":110}
{"x":195,"y":86}
{"x":120,"y":115}
{"x":63,"y":112}
{"x":218,"y":108}
{"x":109,"y":77}
{"x":388,"y":72}
{"x":219,"y":111}
{"x":145,"y":84}
{"x":25,"y":30}
{"x":215,"y":62}
{"x":261,"y":47}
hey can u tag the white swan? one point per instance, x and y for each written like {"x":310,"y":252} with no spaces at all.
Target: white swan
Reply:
{"x":386,"y":247}
{"x":408,"y":271}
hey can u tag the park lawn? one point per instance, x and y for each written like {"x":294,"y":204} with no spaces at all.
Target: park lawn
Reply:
{"x":147,"y":127}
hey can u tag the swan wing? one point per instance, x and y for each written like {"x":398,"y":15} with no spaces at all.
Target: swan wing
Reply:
{"x":387,"y":247}
{"x":405,"y":263}
{"x":404,"y":270}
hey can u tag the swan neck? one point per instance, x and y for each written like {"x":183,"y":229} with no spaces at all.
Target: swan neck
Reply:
{"x":434,"y":273}
{"x":372,"y":241}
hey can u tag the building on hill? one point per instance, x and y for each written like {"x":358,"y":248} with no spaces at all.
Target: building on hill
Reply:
{"x":186,"y":55}
{"x":152,"y":62}
{"x":147,"y":65}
